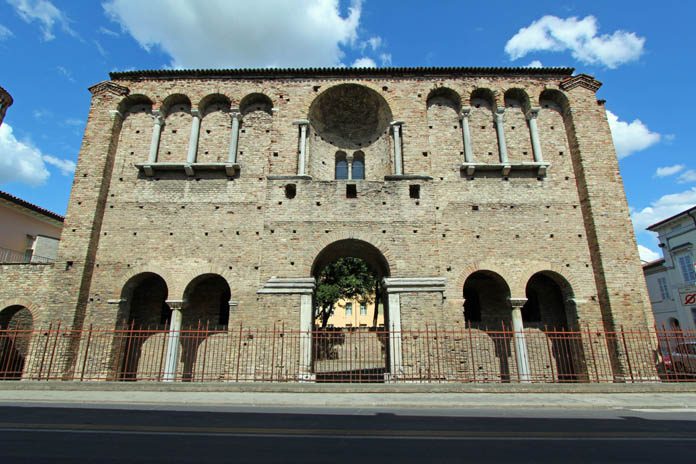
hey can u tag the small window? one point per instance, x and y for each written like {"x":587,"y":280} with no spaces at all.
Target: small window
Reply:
{"x":351,"y":191}
{"x":358,"y":165}
{"x":349,"y":309}
{"x":290,"y":191}
{"x":686,"y":265}
{"x":664,"y":291}
{"x":414,"y":191}
{"x":363,"y":309}
{"x":341,"y":166}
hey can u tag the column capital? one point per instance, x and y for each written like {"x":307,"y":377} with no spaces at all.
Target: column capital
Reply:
{"x":235,"y":114}
{"x":157,"y":117}
{"x":517,"y":302}
{"x":301,"y":122}
{"x":195,"y":113}
{"x":175,"y":305}
{"x":396,"y":123}
{"x":533,"y":112}
{"x":466,"y":111}
{"x":499,"y":113}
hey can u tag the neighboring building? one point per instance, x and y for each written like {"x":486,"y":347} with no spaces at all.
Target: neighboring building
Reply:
{"x":483,"y":199}
{"x":28,"y":233}
{"x":356,"y":312}
{"x":672,"y":279}
{"x":5,"y":103}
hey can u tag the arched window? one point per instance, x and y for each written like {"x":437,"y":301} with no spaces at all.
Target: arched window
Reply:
{"x":358,"y":165}
{"x":341,"y":165}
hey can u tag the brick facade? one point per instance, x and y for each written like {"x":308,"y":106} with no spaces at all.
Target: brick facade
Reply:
{"x":510,"y":220}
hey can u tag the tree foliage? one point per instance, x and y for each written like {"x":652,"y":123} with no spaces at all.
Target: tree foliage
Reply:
{"x":344,"y":278}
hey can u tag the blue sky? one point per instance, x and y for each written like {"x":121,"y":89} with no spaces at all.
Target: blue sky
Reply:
{"x":643,"y":52}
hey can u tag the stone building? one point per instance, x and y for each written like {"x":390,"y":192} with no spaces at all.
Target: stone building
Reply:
{"x":483,"y":198}
{"x":671,"y":280}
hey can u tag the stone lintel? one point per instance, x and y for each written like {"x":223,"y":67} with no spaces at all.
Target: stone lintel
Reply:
{"x":288,"y":285}
{"x":290,"y":177}
{"x":407,"y":177}
{"x":414,"y":284}
{"x":149,"y":169}
{"x":506,"y":168}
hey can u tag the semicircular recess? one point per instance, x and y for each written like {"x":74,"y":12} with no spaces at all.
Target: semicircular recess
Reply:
{"x":350,"y":116}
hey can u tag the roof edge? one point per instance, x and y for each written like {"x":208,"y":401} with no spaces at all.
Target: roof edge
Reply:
{"x":326,"y":72}
{"x":671,"y":218}
{"x":31,"y":206}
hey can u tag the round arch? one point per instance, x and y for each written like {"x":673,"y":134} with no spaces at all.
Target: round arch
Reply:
{"x":355,"y":248}
{"x":206,"y":301}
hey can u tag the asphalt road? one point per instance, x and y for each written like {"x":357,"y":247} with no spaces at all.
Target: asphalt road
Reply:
{"x":175,"y":434}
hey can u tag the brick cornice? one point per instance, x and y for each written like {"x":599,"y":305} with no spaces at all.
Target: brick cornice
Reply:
{"x":109,"y":87}
{"x":581,"y":80}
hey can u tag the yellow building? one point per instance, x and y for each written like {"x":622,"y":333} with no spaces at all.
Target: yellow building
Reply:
{"x":356,"y":312}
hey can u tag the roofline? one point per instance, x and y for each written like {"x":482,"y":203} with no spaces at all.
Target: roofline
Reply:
{"x":671,"y":218}
{"x":280,"y":73}
{"x":31,"y":206}
{"x":655,"y":263}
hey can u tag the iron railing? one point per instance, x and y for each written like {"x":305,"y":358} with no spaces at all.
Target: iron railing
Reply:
{"x":276,"y":354}
{"x":8,"y":256}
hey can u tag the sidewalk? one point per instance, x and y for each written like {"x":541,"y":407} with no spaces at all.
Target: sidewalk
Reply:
{"x":445,"y":396}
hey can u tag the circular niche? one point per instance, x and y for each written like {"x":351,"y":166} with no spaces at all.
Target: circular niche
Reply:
{"x":350,"y":115}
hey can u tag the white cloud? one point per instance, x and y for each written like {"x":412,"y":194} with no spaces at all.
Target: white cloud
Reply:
{"x":386,"y":59}
{"x":687,"y":177}
{"x":5,"y":33}
{"x":535,"y":64}
{"x":20,"y":161}
{"x":664,"y":207}
{"x":364,"y":62}
{"x":107,"y":31}
{"x":100,"y":49}
{"x":630,"y":137}
{"x":240,"y":33}
{"x":646,"y":254}
{"x":65,"y":73}
{"x":579,"y":36}
{"x":45,"y":12}
{"x":66,"y":167}
{"x":666,"y":171}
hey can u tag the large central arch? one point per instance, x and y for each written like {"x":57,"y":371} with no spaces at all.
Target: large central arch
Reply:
{"x":352,"y":354}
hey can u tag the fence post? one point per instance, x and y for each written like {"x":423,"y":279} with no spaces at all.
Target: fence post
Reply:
{"x":84,"y":360}
{"x":628,"y":357}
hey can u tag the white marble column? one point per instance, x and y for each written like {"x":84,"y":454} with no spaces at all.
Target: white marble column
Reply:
{"x":395,"y":353}
{"x":234,"y":138}
{"x":534,"y":133}
{"x":171,"y":359}
{"x":306,"y":327}
{"x":349,"y":161}
{"x":398,"y":156}
{"x":500,"y":130}
{"x":521,"y":354}
{"x":156,"y":133}
{"x":193,"y":139}
{"x":466,"y":134}
{"x":302,"y":150}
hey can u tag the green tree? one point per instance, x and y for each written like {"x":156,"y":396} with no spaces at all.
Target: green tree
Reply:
{"x":344,"y":278}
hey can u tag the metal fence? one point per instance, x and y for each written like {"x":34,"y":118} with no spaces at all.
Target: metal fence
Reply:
{"x":15,"y":257}
{"x":433,"y":355}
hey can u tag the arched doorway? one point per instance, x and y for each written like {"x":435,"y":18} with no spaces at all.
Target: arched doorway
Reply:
{"x":142,"y":324}
{"x":206,"y":310}
{"x":487,"y":308}
{"x":355,"y":346}
{"x":16,"y":324}
{"x":549,"y":309}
